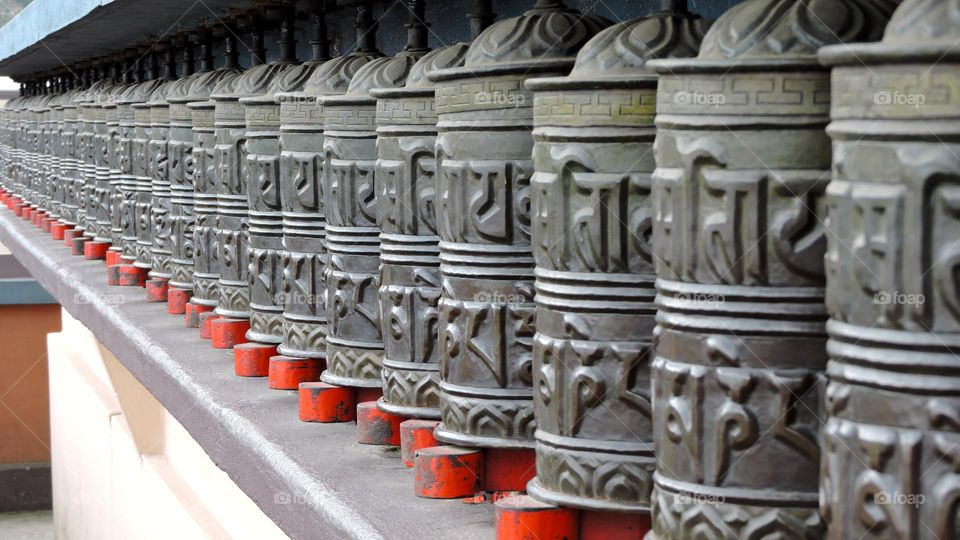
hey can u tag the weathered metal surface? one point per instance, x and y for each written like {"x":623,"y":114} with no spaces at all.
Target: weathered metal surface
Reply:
{"x":70,"y":164}
{"x":104,"y":114}
{"x":303,"y":212}
{"x":591,"y":222}
{"x":131,"y":156}
{"x":262,"y":117}
{"x":234,"y":145}
{"x":742,"y":165}
{"x":169,"y":118}
{"x":149,"y":149}
{"x":191,"y":149}
{"x":89,"y":115}
{"x":889,"y":468}
{"x":153,"y":241}
{"x":354,"y":342}
{"x":207,"y":134}
{"x":409,"y":246}
{"x":114,"y":155}
{"x":484,"y":167}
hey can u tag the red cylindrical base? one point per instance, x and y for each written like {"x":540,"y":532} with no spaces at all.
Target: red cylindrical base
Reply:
{"x":25,"y":212}
{"x":36,"y":217}
{"x":69,"y":235}
{"x":95,"y":251}
{"x":57,"y":229}
{"x":132,"y":276}
{"x":253,"y":359}
{"x":77,"y":243}
{"x":597,"y":525}
{"x":113,"y":274}
{"x":448,"y":472}
{"x":508,"y":469}
{"x":18,"y":209}
{"x":191,"y":317}
{"x":177,"y":300}
{"x":113,"y":257}
{"x":287,"y":372}
{"x":414,"y":435}
{"x":226,"y":332}
{"x":326,"y":403}
{"x":206,"y":330}
{"x":46,"y":223}
{"x":156,"y":290}
{"x":377,"y":427}
{"x":521,"y":517}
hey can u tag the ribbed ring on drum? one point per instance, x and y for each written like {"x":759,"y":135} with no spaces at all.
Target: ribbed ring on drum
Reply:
{"x":760,"y":310}
{"x":409,"y":250}
{"x":265,"y":227}
{"x":232,"y":205}
{"x":595,"y":292}
{"x":486,"y":261}
{"x":306,"y":225}
{"x":899,"y":360}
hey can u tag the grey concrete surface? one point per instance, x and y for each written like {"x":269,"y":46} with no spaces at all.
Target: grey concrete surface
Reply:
{"x":27,"y":525}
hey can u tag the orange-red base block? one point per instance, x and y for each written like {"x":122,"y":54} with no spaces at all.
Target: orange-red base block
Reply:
{"x":25,"y":212}
{"x":113,"y":257}
{"x":448,"y":472}
{"x":95,"y":251}
{"x":377,"y":427}
{"x":113,"y":274}
{"x":177,"y":300}
{"x":252,"y":359}
{"x":18,"y":209}
{"x":77,"y":243}
{"x":206,"y":330}
{"x":521,"y":517}
{"x":36,"y":217}
{"x":326,"y":403}
{"x":414,"y":435}
{"x":226,"y":332}
{"x":597,"y":525}
{"x":287,"y":372}
{"x":191,"y":317}
{"x":57,"y":229}
{"x":156,"y":290}
{"x":508,"y":469}
{"x":46,"y":223}
{"x":132,"y":276}
{"x":69,"y":235}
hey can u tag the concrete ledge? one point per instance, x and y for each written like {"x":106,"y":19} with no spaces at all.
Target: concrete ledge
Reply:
{"x":313,"y":480}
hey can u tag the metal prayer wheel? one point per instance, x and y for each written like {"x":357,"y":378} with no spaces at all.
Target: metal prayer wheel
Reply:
{"x":169,"y":161}
{"x":191,"y":149}
{"x":354,"y":342}
{"x":88,"y":117}
{"x":116,"y":154}
{"x":145,"y":145}
{"x":262,"y":119}
{"x":132,"y":122}
{"x":484,"y":167}
{"x":303,"y":213}
{"x":153,"y":241}
{"x":591,"y":222}
{"x":209,"y":129}
{"x":102,"y":224}
{"x":206,"y":134}
{"x":409,"y":245}
{"x":45,"y":157}
{"x":234,"y":145}
{"x":890,"y":440}
{"x":69,"y":165}
{"x":738,"y":203}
